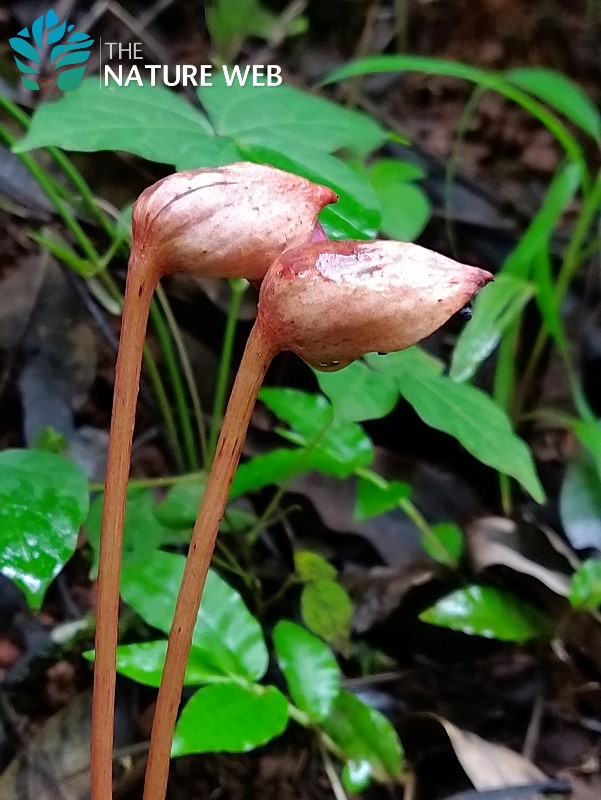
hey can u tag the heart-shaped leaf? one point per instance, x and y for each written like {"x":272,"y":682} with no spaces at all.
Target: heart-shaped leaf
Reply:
{"x":226,"y":633}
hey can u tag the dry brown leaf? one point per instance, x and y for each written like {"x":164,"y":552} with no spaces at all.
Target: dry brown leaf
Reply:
{"x":526,"y":548}
{"x":489,"y":765}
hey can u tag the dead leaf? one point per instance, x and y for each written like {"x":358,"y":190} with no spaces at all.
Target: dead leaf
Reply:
{"x":489,"y":765}
{"x":55,"y":763}
{"x":527,"y":548}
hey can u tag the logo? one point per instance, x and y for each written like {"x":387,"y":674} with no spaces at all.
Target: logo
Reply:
{"x":49,"y":32}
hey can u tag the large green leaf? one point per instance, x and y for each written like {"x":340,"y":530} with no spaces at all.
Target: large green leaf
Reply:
{"x":338,"y":448}
{"x":43,"y":501}
{"x":327,"y":609}
{"x":489,"y":612}
{"x":365,"y":736}
{"x":144,"y":663}
{"x":359,"y":392}
{"x":258,"y":115}
{"x":142,"y":531}
{"x":227,"y":717}
{"x":495,"y":308}
{"x":465,"y":412}
{"x":226,"y":633}
{"x":309,"y":667}
{"x":561,"y":93}
{"x":148,"y":121}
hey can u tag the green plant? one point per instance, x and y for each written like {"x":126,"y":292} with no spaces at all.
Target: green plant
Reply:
{"x":336,"y":146}
{"x":229,"y":659}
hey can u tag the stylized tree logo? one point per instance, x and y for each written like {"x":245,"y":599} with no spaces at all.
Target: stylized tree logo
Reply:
{"x":48,"y":30}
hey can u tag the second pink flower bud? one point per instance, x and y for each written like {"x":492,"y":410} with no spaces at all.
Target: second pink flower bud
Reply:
{"x":333,"y":302}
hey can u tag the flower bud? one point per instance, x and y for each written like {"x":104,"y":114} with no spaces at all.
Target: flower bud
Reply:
{"x":332,"y":302}
{"x":231,"y":221}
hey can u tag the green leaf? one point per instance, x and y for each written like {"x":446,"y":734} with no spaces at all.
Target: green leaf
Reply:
{"x":495,"y":308}
{"x":585,"y":589}
{"x":446,"y":546}
{"x":546,"y":298}
{"x":466,"y":413}
{"x":309,"y":667}
{"x":365,"y":736}
{"x":276,"y":467}
{"x":373,"y":499}
{"x":536,"y":237}
{"x":356,"y":776}
{"x":179,"y":509}
{"x":338,"y":448}
{"x":327,"y":609}
{"x":405,"y":207}
{"x":372,"y":65}
{"x":43,"y":501}
{"x":359,"y":392}
{"x":230,"y":718}
{"x":181,"y":504}
{"x":562,"y":94}
{"x":226,"y":633}
{"x":261,"y":115}
{"x":312,"y":567}
{"x":589,"y":435}
{"x":144,"y":662}
{"x":142,"y":531}
{"x":215,"y":151}
{"x":148,"y":121}
{"x":489,"y":612}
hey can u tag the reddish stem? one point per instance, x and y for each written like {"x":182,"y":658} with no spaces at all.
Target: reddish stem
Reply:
{"x":138,"y":296}
{"x":257,"y":357}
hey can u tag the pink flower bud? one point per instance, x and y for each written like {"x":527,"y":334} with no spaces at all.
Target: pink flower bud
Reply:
{"x":332,"y":302}
{"x":231,"y":221}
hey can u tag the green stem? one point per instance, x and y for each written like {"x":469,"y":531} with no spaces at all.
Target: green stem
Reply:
{"x":175,"y":379}
{"x":187,"y":370}
{"x":237,"y":288}
{"x":406,"y":506}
